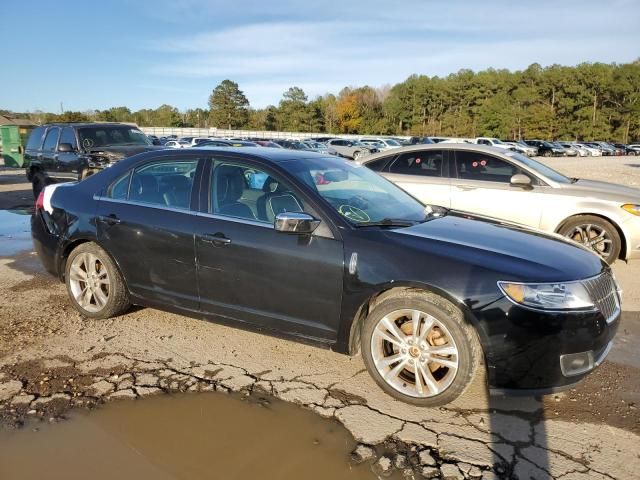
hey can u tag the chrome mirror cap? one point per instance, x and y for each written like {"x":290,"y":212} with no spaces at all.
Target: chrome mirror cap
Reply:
{"x":295,"y":222}
{"x":521,"y":180}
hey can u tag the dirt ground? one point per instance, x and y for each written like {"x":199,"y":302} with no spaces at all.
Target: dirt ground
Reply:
{"x":52,"y":360}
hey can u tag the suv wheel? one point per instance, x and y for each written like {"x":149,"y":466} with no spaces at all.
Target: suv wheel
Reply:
{"x":419,"y":349}
{"x":95,"y":285}
{"x":38,"y":182}
{"x":596,"y":234}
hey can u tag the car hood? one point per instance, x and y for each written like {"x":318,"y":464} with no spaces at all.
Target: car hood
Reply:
{"x":623,"y":193}
{"x":517,"y":253}
{"x":118,"y":152}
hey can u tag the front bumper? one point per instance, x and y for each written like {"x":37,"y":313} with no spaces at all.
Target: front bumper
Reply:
{"x":524,"y":348}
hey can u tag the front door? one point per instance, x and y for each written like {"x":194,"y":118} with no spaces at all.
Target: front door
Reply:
{"x":145,"y":221}
{"x":483,"y":186}
{"x":251,"y":273}
{"x":68,"y":164}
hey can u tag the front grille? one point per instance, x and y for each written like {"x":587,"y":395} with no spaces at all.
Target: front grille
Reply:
{"x":604,"y":294}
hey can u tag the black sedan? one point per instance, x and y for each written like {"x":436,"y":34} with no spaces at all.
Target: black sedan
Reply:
{"x":321,"y":249}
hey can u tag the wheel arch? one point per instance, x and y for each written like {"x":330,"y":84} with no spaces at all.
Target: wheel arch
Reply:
{"x":389,"y":289}
{"x":623,"y":238}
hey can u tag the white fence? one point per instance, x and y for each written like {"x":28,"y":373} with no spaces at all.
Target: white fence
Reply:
{"x":223,"y":133}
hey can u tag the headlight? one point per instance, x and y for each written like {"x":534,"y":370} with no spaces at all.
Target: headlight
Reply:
{"x":632,"y":208}
{"x":548,"y":296}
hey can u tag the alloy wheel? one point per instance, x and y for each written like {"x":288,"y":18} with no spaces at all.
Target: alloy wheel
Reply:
{"x":89,"y":282}
{"x":593,"y":237}
{"x":414,"y":353}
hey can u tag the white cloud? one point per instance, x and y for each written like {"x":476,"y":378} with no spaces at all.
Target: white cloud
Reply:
{"x":324,"y":47}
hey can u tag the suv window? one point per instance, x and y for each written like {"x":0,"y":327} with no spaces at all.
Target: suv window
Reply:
{"x":51,"y":139}
{"x":426,"y":163}
{"x":480,"y":166}
{"x":68,"y":135}
{"x":35,"y":139}
{"x":166,"y":183}
{"x":242,"y":191}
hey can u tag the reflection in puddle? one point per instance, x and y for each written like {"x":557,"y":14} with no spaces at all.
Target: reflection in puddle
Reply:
{"x":15,"y":231}
{"x":192,"y":436}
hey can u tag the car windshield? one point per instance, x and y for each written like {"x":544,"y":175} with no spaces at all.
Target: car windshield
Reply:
{"x":102,"y":136}
{"x":393,"y":143}
{"x":540,"y":168}
{"x":357,"y":193}
{"x":496,"y":141}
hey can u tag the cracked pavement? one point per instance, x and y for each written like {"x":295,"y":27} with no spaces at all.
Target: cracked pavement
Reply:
{"x":52,"y":360}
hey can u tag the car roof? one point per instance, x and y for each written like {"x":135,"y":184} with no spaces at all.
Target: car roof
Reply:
{"x":427,"y":147}
{"x":275,"y":155}
{"x":89,"y":124}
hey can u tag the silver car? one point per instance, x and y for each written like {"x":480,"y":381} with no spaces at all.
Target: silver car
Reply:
{"x":349,"y":148}
{"x":507,"y":185}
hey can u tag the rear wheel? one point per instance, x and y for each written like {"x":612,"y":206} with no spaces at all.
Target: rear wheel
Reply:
{"x":595,"y":233}
{"x":95,"y":285}
{"x":419,"y":349}
{"x":38,"y":182}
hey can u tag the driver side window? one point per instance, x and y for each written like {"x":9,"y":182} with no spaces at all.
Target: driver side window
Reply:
{"x":242,"y":191}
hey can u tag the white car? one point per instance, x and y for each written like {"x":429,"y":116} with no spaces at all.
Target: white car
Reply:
{"x":509,"y":186}
{"x":493,"y":142}
{"x":594,"y":152}
{"x":173,"y":144}
{"x":381,"y":144}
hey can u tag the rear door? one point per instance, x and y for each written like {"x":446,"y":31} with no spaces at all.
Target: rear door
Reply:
{"x":251,"y":273}
{"x":424,"y":174}
{"x":146,"y":223}
{"x":482,"y":185}
{"x":49,"y":151}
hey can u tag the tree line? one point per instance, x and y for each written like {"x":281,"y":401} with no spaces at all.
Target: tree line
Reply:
{"x":590,"y":101}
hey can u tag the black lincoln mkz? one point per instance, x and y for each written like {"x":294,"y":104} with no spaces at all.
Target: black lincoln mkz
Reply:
{"x":318,"y":248}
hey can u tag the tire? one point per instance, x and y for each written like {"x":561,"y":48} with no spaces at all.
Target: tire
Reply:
{"x":450,"y":382}
{"x":38,"y":182}
{"x":105,"y":299}
{"x":585,"y":229}
{"x":357,"y":154}
{"x":546,"y":153}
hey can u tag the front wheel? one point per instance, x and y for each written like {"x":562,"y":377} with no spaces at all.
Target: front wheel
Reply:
{"x":419,"y":349}
{"x":595,"y":233}
{"x":357,"y":154}
{"x":95,"y":285}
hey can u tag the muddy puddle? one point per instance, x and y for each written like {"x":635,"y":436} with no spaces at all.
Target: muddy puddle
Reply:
{"x":208,"y":435}
{"x":15,"y":231}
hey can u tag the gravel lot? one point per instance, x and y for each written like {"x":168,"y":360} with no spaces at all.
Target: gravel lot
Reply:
{"x":52,"y":360}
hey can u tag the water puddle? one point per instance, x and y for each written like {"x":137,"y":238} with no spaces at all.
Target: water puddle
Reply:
{"x":15,"y":231}
{"x":193,"y":436}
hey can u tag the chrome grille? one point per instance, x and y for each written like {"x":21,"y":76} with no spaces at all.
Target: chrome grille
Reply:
{"x":604,"y":294}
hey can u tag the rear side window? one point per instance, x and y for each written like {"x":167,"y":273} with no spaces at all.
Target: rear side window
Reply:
{"x":378,"y":165}
{"x":51,"y":140}
{"x":166,"y":183}
{"x":35,"y":139}
{"x":480,"y":166}
{"x":425,"y":164}
{"x":120,"y":188}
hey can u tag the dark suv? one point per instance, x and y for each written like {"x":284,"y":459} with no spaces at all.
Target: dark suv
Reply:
{"x":72,"y":151}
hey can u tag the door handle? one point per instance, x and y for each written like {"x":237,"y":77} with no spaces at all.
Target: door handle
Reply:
{"x":465,"y":188}
{"x":111,"y":219}
{"x":216,"y":239}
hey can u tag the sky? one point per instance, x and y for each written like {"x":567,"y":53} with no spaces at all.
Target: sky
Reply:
{"x":143,"y":53}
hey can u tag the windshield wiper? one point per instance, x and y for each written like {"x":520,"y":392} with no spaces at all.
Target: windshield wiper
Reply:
{"x":388,"y":222}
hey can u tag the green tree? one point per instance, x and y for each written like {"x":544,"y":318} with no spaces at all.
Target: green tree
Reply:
{"x":228,"y":106}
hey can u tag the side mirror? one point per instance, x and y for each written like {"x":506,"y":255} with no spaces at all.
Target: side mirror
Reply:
{"x":521,"y":180}
{"x":295,"y":222}
{"x":65,"y":148}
